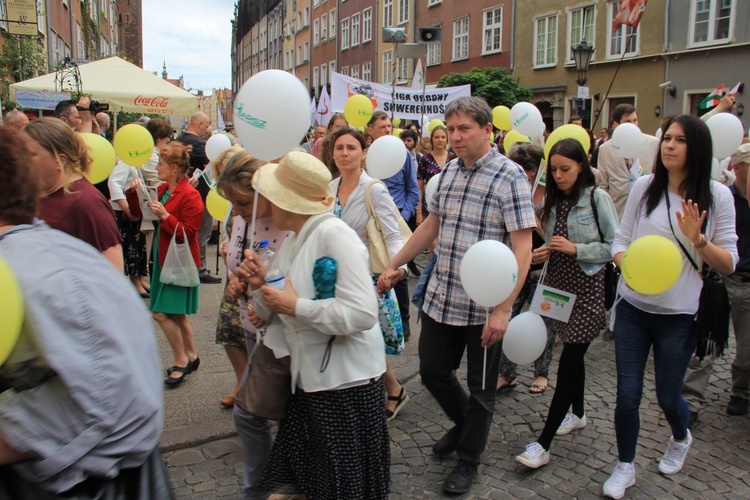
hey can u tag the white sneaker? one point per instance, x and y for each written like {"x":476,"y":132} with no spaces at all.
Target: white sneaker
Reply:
{"x":534,"y":457}
{"x":571,"y":423}
{"x":622,"y":478}
{"x":674,"y":457}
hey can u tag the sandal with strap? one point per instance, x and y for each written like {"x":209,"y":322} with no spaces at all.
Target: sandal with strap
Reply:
{"x":509,"y":385}
{"x":172,"y":382}
{"x":401,"y":400}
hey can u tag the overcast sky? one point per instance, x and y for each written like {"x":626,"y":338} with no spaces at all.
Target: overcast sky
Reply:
{"x":194,"y":37}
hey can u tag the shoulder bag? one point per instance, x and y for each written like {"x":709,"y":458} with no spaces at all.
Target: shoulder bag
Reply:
{"x":711,"y":327}
{"x":379,"y":257}
{"x":611,"y":271}
{"x":179,"y":267}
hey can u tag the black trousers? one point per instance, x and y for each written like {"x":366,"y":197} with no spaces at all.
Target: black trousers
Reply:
{"x":472,"y":412}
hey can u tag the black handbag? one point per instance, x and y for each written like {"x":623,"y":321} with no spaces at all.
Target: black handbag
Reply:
{"x":611,"y":271}
{"x":711,"y":327}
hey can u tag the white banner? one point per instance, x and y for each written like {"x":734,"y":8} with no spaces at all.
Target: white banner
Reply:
{"x":408,"y":103}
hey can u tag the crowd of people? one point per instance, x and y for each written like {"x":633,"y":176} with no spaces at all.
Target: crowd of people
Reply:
{"x":308,"y":324}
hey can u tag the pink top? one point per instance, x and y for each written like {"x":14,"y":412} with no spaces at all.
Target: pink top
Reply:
{"x":265,"y":229}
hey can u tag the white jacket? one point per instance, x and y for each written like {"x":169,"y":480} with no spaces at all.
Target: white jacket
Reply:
{"x":357,"y":353}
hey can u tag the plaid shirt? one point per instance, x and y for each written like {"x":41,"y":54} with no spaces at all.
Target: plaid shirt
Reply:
{"x":484,"y":201}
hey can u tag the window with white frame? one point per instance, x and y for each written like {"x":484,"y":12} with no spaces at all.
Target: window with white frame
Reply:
{"x":307,"y":52}
{"x":3,"y":15}
{"x":492,"y":30}
{"x":402,"y":73}
{"x":367,"y":25}
{"x":332,"y":29}
{"x":345,"y":34}
{"x":580,"y":27}
{"x":299,"y":54}
{"x":355,"y":71}
{"x":299,"y":21}
{"x":331,"y":70}
{"x":432,"y":3}
{"x":345,"y":71}
{"x":355,"y":30}
{"x":40,"y":16}
{"x":711,"y":21}
{"x":387,"y":12}
{"x":367,"y":71}
{"x":316,"y":79}
{"x":545,"y":41}
{"x":387,"y":67}
{"x":323,"y":75}
{"x":461,"y":38}
{"x":80,"y":42}
{"x":624,"y":38}
{"x":306,"y":17}
{"x":403,"y":11}
{"x":434,"y":53}
{"x":316,"y":32}
{"x":323,"y":27}
{"x":316,"y":3}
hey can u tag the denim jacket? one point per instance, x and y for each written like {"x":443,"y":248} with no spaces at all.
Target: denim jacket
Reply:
{"x":591,"y":253}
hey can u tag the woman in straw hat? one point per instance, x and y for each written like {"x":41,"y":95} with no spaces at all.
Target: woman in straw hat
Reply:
{"x":333,"y":443}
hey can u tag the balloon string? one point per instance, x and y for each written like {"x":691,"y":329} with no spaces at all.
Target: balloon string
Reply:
{"x":252,"y":223}
{"x":484,"y":368}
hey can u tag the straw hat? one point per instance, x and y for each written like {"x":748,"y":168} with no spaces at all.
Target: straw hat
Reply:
{"x":298,"y":184}
{"x":742,"y":155}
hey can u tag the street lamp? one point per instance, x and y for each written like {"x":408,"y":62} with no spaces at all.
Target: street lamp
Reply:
{"x":582,"y":56}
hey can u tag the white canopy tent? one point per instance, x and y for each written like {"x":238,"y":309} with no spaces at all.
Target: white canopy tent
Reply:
{"x":123,"y":85}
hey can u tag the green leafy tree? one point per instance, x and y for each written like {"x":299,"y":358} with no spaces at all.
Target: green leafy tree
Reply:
{"x":21,"y":58}
{"x":495,"y":85}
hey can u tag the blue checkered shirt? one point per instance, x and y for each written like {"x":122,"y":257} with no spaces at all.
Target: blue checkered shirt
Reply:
{"x":483,"y":201}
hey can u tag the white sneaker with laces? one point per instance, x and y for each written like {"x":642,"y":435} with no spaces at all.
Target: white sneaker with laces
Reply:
{"x":622,"y":478}
{"x":571,"y":423}
{"x":534,"y":457}
{"x":674,"y":457}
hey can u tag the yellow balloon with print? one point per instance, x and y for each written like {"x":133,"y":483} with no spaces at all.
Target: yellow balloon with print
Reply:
{"x":652,"y":264}
{"x":501,"y":117}
{"x":101,"y":155}
{"x":568,"y":131}
{"x":397,"y":132}
{"x":512,"y":137}
{"x":217,"y":205}
{"x":435,"y":122}
{"x":134,"y":144}
{"x":11,"y":310}
{"x":358,"y":110}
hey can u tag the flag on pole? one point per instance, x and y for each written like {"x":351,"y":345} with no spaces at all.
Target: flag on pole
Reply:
{"x":219,"y":120}
{"x":735,"y":89}
{"x":713,"y":98}
{"x":417,"y":82}
{"x":313,"y":108}
{"x":323,"y":114}
{"x":630,"y":13}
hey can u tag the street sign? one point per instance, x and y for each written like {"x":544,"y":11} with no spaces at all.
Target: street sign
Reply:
{"x":583,"y":92}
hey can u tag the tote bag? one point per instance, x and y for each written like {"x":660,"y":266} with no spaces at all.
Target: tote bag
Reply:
{"x":379,"y":257}
{"x":179,"y":268}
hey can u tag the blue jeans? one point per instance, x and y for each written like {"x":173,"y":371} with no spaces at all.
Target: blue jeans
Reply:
{"x":671,"y":336}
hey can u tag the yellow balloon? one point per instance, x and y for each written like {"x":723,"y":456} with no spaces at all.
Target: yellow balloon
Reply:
{"x":102,"y":156}
{"x":358,"y":110}
{"x":434,"y":123}
{"x":512,"y":137}
{"x":501,"y":117}
{"x":492,"y":137}
{"x":396,"y":122}
{"x":568,"y":131}
{"x":217,"y":205}
{"x":134,"y":144}
{"x":11,"y":310}
{"x":397,"y":132}
{"x":652,"y":264}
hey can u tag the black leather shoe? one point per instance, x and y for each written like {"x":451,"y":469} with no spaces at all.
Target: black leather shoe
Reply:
{"x":207,"y":278}
{"x":448,"y":443}
{"x":460,"y":480}
{"x":693,"y":418}
{"x":414,"y":269}
{"x":737,"y":406}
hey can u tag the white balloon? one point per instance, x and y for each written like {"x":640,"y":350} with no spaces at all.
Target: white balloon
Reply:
{"x":525,"y":117}
{"x":657,"y":134}
{"x":271,"y":113}
{"x":726,"y":134}
{"x":385,"y":157}
{"x":539,"y":132}
{"x":627,"y":140}
{"x":489,"y":271}
{"x":217,"y":144}
{"x":525,"y":339}
{"x":429,"y":190}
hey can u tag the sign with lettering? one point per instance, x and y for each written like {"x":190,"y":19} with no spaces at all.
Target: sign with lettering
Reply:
{"x":31,"y":99}
{"x":22,"y":17}
{"x":553,"y":303}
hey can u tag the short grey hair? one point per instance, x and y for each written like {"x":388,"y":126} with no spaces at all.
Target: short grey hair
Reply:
{"x":476,"y":107}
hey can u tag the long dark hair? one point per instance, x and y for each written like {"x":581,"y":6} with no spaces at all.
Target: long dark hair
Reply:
{"x":697,"y":183}
{"x":571,"y":149}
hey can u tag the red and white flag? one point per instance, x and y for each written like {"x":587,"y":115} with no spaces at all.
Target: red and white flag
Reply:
{"x":713,"y":98}
{"x":630,"y":13}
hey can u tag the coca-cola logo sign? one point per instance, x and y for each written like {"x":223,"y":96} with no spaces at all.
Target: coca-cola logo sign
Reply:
{"x":152,"y":102}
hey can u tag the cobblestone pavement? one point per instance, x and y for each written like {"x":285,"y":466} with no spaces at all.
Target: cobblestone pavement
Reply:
{"x":718,"y":465}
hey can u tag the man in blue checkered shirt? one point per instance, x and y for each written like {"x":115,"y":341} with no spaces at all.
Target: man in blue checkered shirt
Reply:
{"x":482,"y":195}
